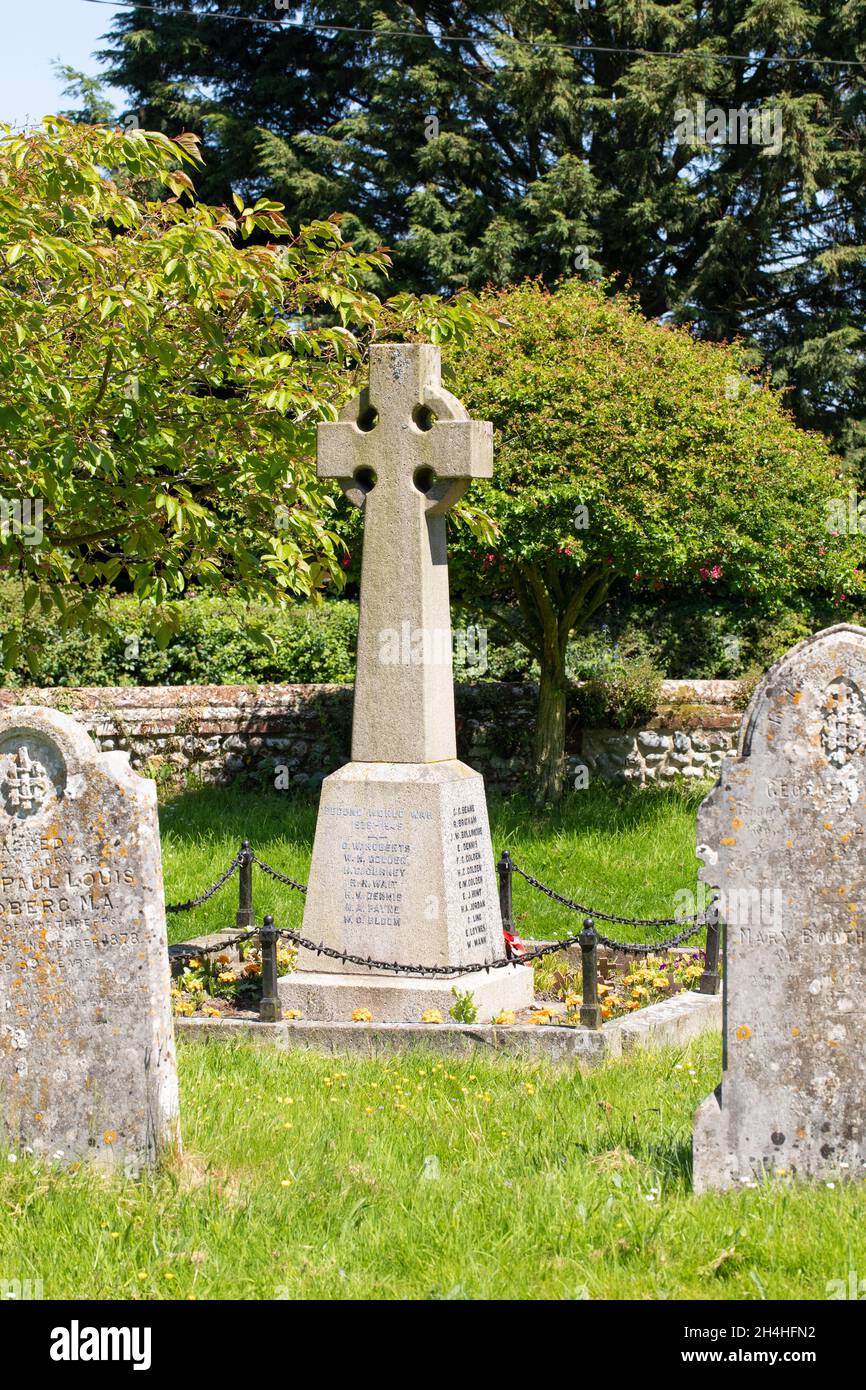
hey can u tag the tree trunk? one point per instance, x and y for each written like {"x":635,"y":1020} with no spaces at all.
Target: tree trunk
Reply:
{"x":550,"y":729}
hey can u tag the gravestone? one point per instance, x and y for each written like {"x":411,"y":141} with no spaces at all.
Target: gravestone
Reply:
{"x":783,"y":837}
{"x":402,"y":866}
{"x":87,"y":1066}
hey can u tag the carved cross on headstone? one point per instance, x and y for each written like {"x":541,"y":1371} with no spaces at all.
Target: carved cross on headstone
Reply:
{"x":405,"y":450}
{"x":26,"y":781}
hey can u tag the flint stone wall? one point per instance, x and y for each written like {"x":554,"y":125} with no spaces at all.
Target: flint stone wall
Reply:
{"x":221,"y":733}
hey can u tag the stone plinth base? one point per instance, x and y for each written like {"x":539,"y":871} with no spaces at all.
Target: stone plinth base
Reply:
{"x":402,"y":871}
{"x":330,"y":998}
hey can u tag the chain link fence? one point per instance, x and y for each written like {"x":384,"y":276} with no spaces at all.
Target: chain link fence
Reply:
{"x":588,"y":939}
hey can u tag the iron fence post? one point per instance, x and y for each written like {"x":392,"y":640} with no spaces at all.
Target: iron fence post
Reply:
{"x":504,"y":870}
{"x":245,"y":916}
{"x":709,"y":982}
{"x":270,"y":1009}
{"x":590,"y":1009}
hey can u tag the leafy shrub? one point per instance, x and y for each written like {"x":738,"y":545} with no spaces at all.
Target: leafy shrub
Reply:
{"x":217,"y":644}
{"x":464,"y":1009}
{"x":619,"y":696}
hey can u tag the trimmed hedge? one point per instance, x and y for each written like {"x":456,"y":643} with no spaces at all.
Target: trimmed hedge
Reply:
{"x":622,"y":658}
{"x":217,"y":645}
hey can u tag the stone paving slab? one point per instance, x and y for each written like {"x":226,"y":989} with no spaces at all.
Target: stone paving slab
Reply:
{"x":671,"y":1022}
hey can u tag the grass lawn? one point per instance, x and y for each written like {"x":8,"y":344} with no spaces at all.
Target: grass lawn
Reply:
{"x":310,"y":1177}
{"x":618,"y":850}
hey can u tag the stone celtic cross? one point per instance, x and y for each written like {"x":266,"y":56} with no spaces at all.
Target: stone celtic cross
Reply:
{"x":402,"y":866}
{"x":405,"y":450}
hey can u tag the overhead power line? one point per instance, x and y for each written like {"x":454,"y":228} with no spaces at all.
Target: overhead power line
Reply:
{"x":378,"y":36}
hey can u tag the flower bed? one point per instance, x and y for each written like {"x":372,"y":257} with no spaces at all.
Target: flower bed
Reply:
{"x":228,"y":985}
{"x":621,"y":991}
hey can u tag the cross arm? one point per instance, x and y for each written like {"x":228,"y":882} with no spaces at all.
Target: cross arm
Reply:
{"x":341,"y":449}
{"x":461,"y":448}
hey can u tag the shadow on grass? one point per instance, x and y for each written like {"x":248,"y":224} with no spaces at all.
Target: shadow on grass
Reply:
{"x":245,"y":813}
{"x":599,"y":809}
{"x":205,"y":814}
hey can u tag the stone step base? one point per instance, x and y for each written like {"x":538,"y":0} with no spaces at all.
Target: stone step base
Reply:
{"x":331,"y":998}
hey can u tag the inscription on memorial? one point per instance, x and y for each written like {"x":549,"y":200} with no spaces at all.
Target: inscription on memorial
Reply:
{"x":469,"y":840}
{"x":376,"y":858}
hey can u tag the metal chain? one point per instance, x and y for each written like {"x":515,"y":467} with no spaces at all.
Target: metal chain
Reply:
{"x":697,"y":917}
{"x":534,"y":953}
{"x":214,"y":888}
{"x":640,"y":948}
{"x":275,"y":873}
{"x":696,"y":923}
{"x":181,"y":949}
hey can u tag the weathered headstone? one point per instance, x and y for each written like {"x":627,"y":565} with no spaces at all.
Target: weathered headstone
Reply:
{"x":402,"y":865}
{"x":87,"y":1066}
{"x":783,"y":836}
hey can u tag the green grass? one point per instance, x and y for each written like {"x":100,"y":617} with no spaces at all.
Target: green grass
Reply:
{"x":617,"y":850}
{"x":550,"y":1182}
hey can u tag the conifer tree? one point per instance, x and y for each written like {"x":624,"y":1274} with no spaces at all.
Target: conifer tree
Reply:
{"x":543,"y":141}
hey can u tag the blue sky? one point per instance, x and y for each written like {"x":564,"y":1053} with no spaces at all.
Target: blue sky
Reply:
{"x":32,"y":34}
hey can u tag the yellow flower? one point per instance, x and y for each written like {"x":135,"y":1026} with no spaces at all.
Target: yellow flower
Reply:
{"x":362,"y":1016}
{"x":210,"y":1012}
{"x":507,"y":1016}
{"x":430,"y":1016}
{"x":225,"y":975}
{"x":540,"y":1016}
{"x":572,"y":1001}
{"x":293,"y":1013}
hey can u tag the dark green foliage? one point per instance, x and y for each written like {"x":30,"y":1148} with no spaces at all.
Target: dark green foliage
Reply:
{"x":217,"y":644}
{"x":547,"y":149}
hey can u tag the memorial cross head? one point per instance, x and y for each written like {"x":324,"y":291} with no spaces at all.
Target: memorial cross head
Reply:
{"x":405,"y":434}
